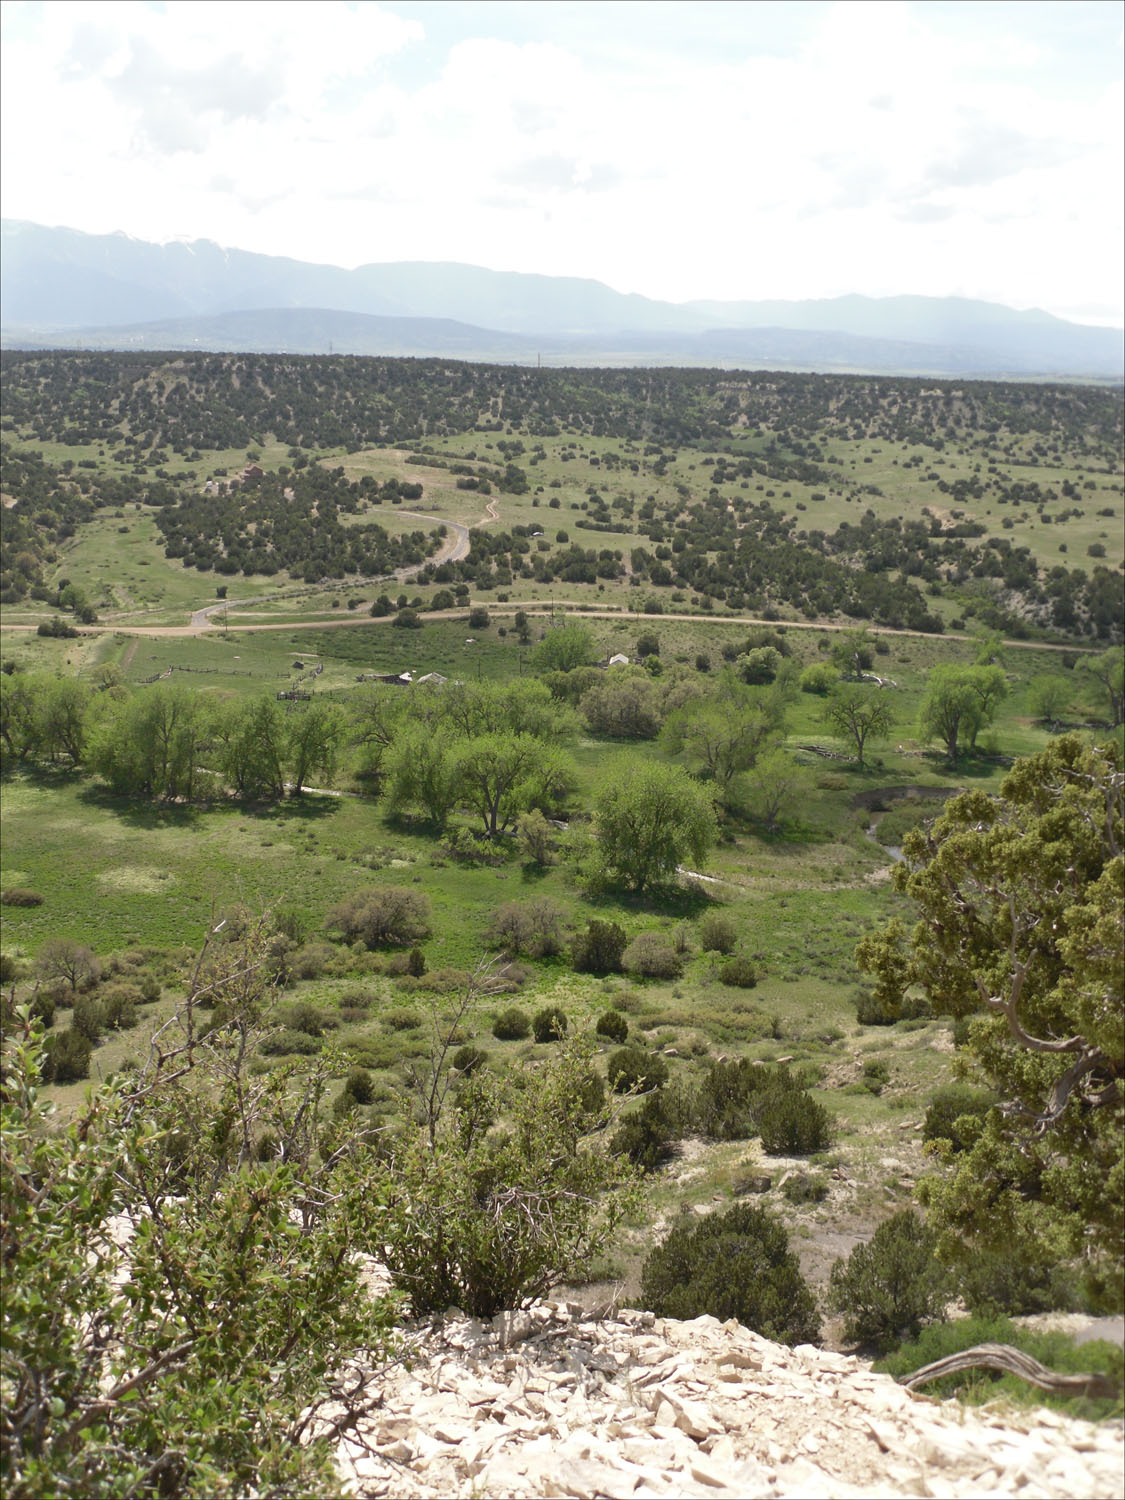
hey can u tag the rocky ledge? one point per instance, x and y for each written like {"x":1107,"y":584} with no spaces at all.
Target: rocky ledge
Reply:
{"x":552,"y":1401}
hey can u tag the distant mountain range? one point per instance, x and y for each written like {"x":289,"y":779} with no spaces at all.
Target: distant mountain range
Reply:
{"x":64,"y":288}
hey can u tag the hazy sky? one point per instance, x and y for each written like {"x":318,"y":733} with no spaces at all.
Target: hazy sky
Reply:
{"x":721,"y":150}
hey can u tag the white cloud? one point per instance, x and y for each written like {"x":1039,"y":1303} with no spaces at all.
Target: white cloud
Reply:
{"x":879,"y":147}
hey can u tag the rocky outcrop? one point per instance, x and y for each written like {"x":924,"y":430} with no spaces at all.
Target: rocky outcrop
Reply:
{"x":552,"y":1401}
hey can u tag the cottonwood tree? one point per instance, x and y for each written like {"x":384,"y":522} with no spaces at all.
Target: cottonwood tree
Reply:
{"x":563,"y":648}
{"x":856,"y":714}
{"x":521,"y":706}
{"x":853,"y":652}
{"x":648,"y":819}
{"x":1107,"y":673}
{"x":1020,"y":900}
{"x":252,"y":749}
{"x":421,"y":775}
{"x":21,"y":719}
{"x":376,"y":719}
{"x":775,"y":786}
{"x":150,"y":744}
{"x":959,"y":703}
{"x":724,"y":734}
{"x":502,"y":775}
{"x":64,"y":718}
{"x":313,"y":739}
{"x":1050,"y":697}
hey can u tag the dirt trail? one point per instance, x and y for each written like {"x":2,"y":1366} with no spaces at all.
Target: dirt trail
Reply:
{"x":201,"y":621}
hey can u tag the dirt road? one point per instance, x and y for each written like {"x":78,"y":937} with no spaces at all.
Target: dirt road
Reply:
{"x":202,"y":622}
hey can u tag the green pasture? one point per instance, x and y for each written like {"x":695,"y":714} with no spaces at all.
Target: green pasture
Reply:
{"x":118,"y":558}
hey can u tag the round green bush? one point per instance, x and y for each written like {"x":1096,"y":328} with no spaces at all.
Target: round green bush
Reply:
{"x":651,"y":956}
{"x":285,"y":1042}
{"x":468,"y":1059}
{"x":724,"y":1108}
{"x":88,"y":1020}
{"x":401,"y":1020}
{"x":889,"y":1287}
{"x":634,"y":1068}
{"x":305,"y":1017}
{"x":550,"y":1025}
{"x":739,"y":973}
{"x":819,"y":678}
{"x":119,"y":1006}
{"x":598,"y":950}
{"x":792,"y":1123}
{"x":732,"y":1265}
{"x":805,"y":1187}
{"x":17,"y":896}
{"x":511,"y":1025}
{"x":613,"y":1026}
{"x":647,"y":1136}
{"x":42,"y":1007}
{"x":876,"y":1075}
{"x":150,"y":989}
{"x":359,"y":1086}
{"x":68,"y":1057}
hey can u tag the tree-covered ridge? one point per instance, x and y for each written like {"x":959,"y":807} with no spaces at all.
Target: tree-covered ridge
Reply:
{"x":723,"y":533}
{"x":269,"y":522}
{"x":193,"y":401}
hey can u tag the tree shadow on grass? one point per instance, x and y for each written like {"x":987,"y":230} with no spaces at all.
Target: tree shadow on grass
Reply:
{"x":970,"y":767}
{"x":141,"y":812}
{"x":49,"y":778}
{"x":683,"y":901}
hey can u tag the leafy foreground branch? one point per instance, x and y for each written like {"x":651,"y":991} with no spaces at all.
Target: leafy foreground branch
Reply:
{"x":184,"y":1312}
{"x":508,"y":1193}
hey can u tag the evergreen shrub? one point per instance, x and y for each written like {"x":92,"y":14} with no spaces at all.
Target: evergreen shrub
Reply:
{"x":634,"y":1068}
{"x":889,"y":1287}
{"x":736,"y":1264}
{"x":613,"y":1026}
{"x":512,"y":1025}
{"x":550,"y":1024}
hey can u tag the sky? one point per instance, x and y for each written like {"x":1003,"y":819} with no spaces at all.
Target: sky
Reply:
{"x":703,"y":150}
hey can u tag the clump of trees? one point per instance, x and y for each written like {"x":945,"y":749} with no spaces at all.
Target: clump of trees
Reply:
{"x":113,"y":1394}
{"x":197,"y":1173}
